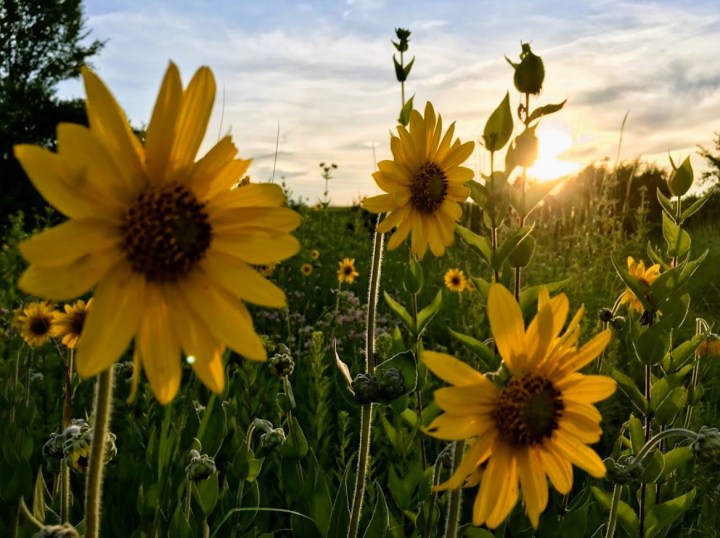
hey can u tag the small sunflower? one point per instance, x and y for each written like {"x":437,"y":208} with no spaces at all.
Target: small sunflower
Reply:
{"x":36,"y":323}
{"x":346,"y":271}
{"x":424,"y":184}
{"x":68,"y":325}
{"x":164,"y":240}
{"x":266,"y":270}
{"x":306,"y":269}
{"x":645,"y":276}
{"x":534,"y":427}
{"x":314,"y":254}
{"x":455,"y":280}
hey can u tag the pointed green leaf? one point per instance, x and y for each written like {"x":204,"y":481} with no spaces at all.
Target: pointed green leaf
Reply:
{"x":408,"y":67}
{"x":404,"y":118}
{"x":653,"y":466}
{"x":655,"y":257}
{"x":413,"y":276}
{"x":508,"y":245}
{"x":205,"y":493}
{"x":486,"y":355}
{"x":482,"y":285}
{"x":478,"y":242}
{"x":677,"y":239}
{"x":179,"y":526}
{"x":631,"y":390}
{"x":652,"y":344}
{"x":340,"y":515}
{"x":666,"y":204}
{"x":478,"y":192}
{"x":499,"y":126}
{"x":399,"y":71}
{"x":545,"y":111}
{"x":428,"y":313}
{"x":401,"y":312}
{"x":696,"y":206}
{"x":681,"y":178}
{"x":626,"y":516}
{"x":522,"y":253}
{"x":675,"y":458}
{"x":379,"y":522}
{"x":39,"y":508}
{"x":637,"y":433}
{"x":662,"y":516}
{"x":671,"y":405}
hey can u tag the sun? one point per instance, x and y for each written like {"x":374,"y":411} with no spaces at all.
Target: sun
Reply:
{"x":553,"y":142}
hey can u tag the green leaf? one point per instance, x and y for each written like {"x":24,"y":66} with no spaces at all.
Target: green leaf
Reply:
{"x":677,"y":239}
{"x":696,"y":206}
{"x":631,"y":390}
{"x":478,"y":242}
{"x":626,"y":516}
{"x":655,"y":257}
{"x":653,"y":467}
{"x":545,"y":110}
{"x":508,"y":245}
{"x":408,"y":67}
{"x":399,"y":71}
{"x":666,"y":204}
{"x":404,"y":118}
{"x":637,"y":433}
{"x":478,"y":192}
{"x":529,"y":296}
{"x":296,"y":439}
{"x":179,"y":526}
{"x":38,"y":507}
{"x":671,"y":281}
{"x":413,"y":276}
{"x":663,"y":515}
{"x":684,"y":352}
{"x":206,"y":493}
{"x":401,"y":312}
{"x":379,"y":522}
{"x":675,"y":458}
{"x":681,"y":178}
{"x":481,"y":285}
{"x":671,"y":405}
{"x":426,"y":314}
{"x":307,"y":528}
{"x":499,"y":126}
{"x":534,"y":194}
{"x":480,"y":349}
{"x":574,"y":522}
{"x":340,"y":515}
{"x":250,"y":468}
{"x":522,"y":253}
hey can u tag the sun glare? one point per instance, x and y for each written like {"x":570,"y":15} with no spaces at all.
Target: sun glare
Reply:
{"x":553,"y":142}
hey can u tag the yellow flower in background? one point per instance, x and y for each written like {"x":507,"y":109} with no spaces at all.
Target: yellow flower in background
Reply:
{"x":68,"y":325}
{"x":455,"y":280}
{"x":314,"y":254}
{"x":710,"y":347}
{"x":164,"y":240}
{"x":346,"y":271}
{"x":35,"y":323}
{"x":424,"y":184}
{"x":644,"y":276}
{"x":534,"y":427}
{"x":266,"y":270}
{"x":306,"y":269}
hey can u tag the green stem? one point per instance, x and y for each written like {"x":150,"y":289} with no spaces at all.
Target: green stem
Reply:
{"x":366,"y":410}
{"x":700,"y":327}
{"x":23,"y":509}
{"x":93,"y":486}
{"x":187,"y":500}
{"x":433,"y":499}
{"x":614,"y":504}
{"x":418,"y":396}
{"x":658,"y":438}
{"x":64,"y":492}
{"x":455,"y":495}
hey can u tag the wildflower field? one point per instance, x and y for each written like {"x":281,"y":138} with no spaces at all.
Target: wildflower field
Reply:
{"x":188,"y":350}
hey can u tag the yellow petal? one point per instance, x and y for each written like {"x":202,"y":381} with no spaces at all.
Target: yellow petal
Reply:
{"x":112,"y":321}
{"x":240,"y":219}
{"x":588,"y":352}
{"x":257,"y":248}
{"x":251,"y":195}
{"x":211,"y":372}
{"x":193,"y":117}
{"x":69,"y":241}
{"x":498,"y":491}
{"x":226,"y":316}
{"x":71,"y":280}
{"x":533,"y":484}
{"x":159,"y":347}
{"x":453,"y":427}
{"x":587,"y":388}
{"x":578,"y":454}
{"x":476,"y":399}
{"x":478,"y":452}
{"x":454,"y":371}
{"x":241,"y":280}
{"x":379,"y":204}
{"x":218,"y":171}
{"x":49,"y":176}
{"x":109,"y":124}
{"x":558,"y":469}
{"x":508,"y":328}
{"x":161,"y":130}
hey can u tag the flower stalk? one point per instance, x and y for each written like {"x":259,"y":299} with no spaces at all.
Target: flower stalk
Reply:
{"x":93,"y":487}
{"x":455,"y":494}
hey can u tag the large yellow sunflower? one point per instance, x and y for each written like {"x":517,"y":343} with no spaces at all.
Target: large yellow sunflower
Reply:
{"x":68,"y":325}
{"x":163,"y":239}
{"x":35,"y":323}
{"x":645,"y":276}
{"x":424,"y":184}
{"x":346,"y":271}
{"x":535,"y":426}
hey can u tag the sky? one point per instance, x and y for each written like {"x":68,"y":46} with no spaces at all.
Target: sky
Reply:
{"x":320,"y":73}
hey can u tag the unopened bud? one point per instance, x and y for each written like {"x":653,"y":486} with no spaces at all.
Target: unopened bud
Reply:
{"x":272,"y":439}
{"x":618,"y":323}
{"x":391,"y":384}
{"x":706,"y":446}
{"x":530,"y":72}
{"x":366,"y":387}
{"x":57,"y":531}
{"x":200,"y":466}
{"x":605,"y":315}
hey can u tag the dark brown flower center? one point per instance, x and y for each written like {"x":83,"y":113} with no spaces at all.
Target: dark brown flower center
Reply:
{"x":429,"y":188}
{"x":77,"y":321}
{"x":166,"y":232}
{"x":455,"y":280}
{"x":528,"y":410}
{"x":39,"y":325}
{"x":348,"y":270}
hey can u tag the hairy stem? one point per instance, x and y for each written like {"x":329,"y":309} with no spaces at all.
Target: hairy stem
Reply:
{"x":455,"y":495}
{"x":614,"y":504}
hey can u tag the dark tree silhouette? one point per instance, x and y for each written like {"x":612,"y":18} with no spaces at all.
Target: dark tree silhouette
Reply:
{"x":41,"y":44}
{"x":712,"y":176}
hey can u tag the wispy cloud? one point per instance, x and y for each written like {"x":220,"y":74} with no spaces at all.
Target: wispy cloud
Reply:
{"x":323,"y":70}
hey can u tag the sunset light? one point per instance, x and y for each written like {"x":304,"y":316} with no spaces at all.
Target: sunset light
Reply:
{"x":553,"y":143}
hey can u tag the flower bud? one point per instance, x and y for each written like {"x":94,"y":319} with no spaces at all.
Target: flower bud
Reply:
{"x":681,"y":178}
{"x":605,"y":315}
{"x":625,"y":471}
{"x":618,"y":323}
{"x":390,"y":384}
{"x":272,"y":439}
{"x":200,"y":466}
{"x":530,"y":72}
{"x":281,"y":365}
{"x":366,"y":387}
{"x":706,"y":446}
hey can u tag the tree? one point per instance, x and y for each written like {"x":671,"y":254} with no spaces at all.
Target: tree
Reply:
{"x":41,"y":44}
{"x":711,"y":176}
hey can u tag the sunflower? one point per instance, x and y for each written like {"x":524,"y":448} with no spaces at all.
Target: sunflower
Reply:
{"x":424,"y":184}
{"x":35,"y":323}
{"x":266,"y":270}
{"x":455,"y":280}
{"x":162,"y":238}
{"x":68,"y":325}
{"x":644,"y":276}
{"x":535,"y":426}
{"x":314,"y":254}
{"x":346,"y":271}
{"x":306,"y":269}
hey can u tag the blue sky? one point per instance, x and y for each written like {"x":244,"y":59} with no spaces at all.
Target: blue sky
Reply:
{"x":323,"y":70}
